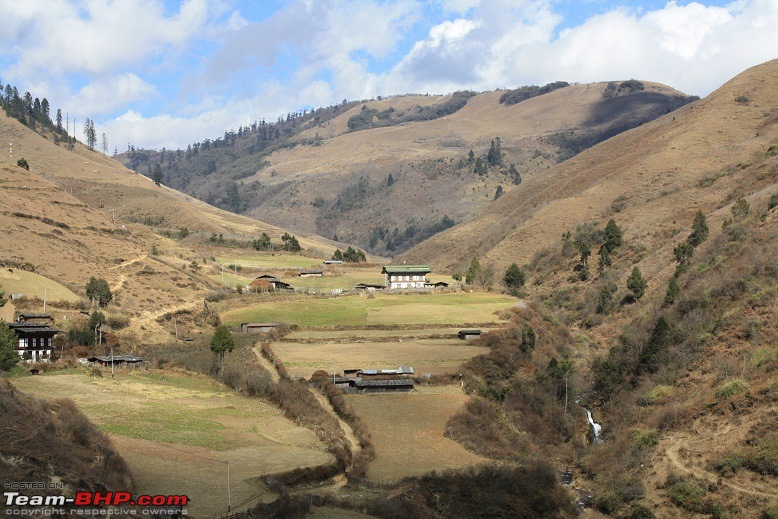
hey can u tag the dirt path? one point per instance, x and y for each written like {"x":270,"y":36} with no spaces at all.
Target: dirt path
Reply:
{"x":351,"y":438}
{"x":676,"y":443}
{"x":266,"y":364}
{"x":122,"y":278}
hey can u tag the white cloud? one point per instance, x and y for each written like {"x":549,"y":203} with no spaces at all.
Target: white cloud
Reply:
{"x":55,"y":36}
{"x":107,"y":94}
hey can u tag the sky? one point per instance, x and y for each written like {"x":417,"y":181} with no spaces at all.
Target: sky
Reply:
{"x":164,"y":73}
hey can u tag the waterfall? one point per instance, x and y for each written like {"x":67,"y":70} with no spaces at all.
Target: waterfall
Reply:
{"x":596,"y":428}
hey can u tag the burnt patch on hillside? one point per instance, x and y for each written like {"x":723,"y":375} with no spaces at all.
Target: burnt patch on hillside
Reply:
{"x":613,"y":115}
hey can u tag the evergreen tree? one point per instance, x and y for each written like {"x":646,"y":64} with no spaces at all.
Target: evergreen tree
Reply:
{"x":514,"y":175}
{"x":473,"y":271}
{"x":683,"y":253}
{"x":338,"y":255}
{"x":605,"y":258}
{"x":157,"y":175}
{"x":585,"y":253}
{"x":389,"y":180}
{"x":605,"y":299}
{"x":672,"y":293}
{"x":636,"y":284}
{"x":514,"y":278}
{"x":222,"y":341}
{"x":470,"y":155}
{"x":99,"y":290}
{"x":8,"y":340}
{"x":699,"y":230}
{"x":480,"y":167}
{"x":612,"y":235}
{"x":59,"y":120}
{"x":528,"y":338}
{"x":494,"y":156}
{"x":498,"y":193}
{"x":648,"y":360}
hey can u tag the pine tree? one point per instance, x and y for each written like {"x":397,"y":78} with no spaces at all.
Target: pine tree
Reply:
{"x":472,"y":272}
{"x":605,"y":258}
{"x":157,"y":175}
{"x":514,"y":278}
{"x":498,"y":193}
{"x":699,"y":230}
{"x":636,"y":284}
{"x":672,"y":293}
{"x":514,"y":175}
{"x":648,"y":361}
{"x":612,"y":235}
{"x":494,"y":157}
{"x":389,"y":180}
{"x":528,"y":338}
{"x":8,"y":355}
{"x":222,"y":341}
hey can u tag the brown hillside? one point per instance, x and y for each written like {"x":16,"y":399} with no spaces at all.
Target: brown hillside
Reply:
{"x":423,"y":158}
{"x":77,"y":214}
{"x":651,"y":180}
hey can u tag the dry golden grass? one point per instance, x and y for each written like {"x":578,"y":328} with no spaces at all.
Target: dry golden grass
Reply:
{"x":658,"y":170}
{"x":407,"y":430}
{"x":34,"y":285}
{"x":169,"y":424}
{"x":434,"y":356}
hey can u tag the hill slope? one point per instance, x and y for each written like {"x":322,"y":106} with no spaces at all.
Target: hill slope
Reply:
{"x":651,"y":179}
{"x":77,"y":214}
{"x":318,"y":176}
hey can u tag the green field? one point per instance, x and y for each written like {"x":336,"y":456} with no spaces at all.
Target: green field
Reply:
{"x":269,"y":260}
{"x":383,"y":309}
{"x":178,"y":431}
{"x":34,"y":285}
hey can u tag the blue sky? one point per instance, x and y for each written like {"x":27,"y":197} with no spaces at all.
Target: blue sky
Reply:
{"x":168,"y":73}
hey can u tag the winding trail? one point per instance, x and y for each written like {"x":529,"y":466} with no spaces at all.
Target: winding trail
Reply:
{"x":676,"y":442}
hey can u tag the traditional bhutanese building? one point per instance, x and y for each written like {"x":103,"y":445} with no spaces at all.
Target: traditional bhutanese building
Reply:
{"x":35,"y":335}
{"x":405,"y":276}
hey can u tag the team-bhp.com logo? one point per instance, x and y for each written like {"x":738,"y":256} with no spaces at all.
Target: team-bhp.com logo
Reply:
{"x":165,"y":505}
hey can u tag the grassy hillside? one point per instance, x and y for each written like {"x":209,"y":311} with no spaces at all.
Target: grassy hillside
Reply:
{"x":76,"y":214}
{"x":651,"y":180}
{"x":329,"y":173}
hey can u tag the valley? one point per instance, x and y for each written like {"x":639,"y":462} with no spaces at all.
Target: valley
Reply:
{"x":632,"y":271}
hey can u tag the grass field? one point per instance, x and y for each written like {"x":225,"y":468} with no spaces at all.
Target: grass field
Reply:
{"x":179,"y":431}
{"x":34,"y":285}
{"x":407,"y":431}
{"x":268,"y":260}
{"x":383,"y":309}
{"x":434,"y":356}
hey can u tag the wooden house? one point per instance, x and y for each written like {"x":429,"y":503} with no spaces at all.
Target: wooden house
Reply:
{"x":467,"y":335}
{"x":35,"y":334}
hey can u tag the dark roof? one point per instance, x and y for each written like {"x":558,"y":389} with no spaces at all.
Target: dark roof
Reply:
{"x":469,"y":332}
{"x":25,"y":328}
{"x":34,"y":316}
{"x":116,"y":358}
{"x":266,"y":276}
{"x":263,"y":325}
{"x":379,"y":383}
{"x":333,"y":262}
{"x":369,"y":285}
{"x":405,"y":269}
{"x":437,"y":284}
{"x":312,"y":271}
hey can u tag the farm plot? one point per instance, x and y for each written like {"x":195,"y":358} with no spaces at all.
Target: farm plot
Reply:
{"x":408,"y":429}
{"x":434,"y":356}
{"x":34,"y":285}
{"x":178,"y":432}
{"x":268,"y":260}
{"x":383,"y":309}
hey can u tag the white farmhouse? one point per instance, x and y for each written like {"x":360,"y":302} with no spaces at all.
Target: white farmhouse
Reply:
{"x":400,"y":277}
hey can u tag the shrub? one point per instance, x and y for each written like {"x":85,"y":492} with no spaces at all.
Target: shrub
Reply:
{"x":731,"y":388}
{"x":22,"y":163}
